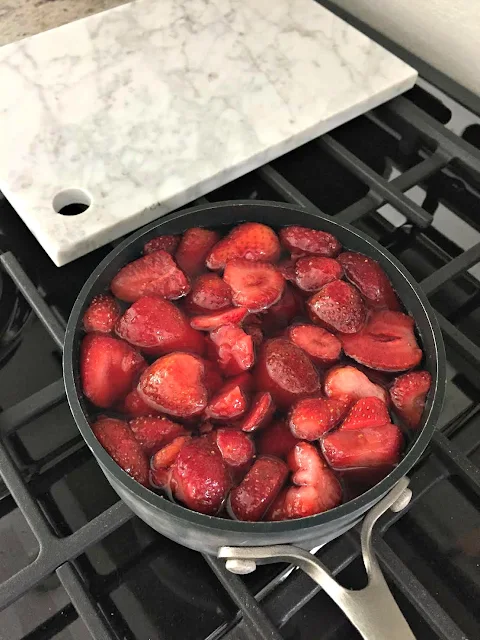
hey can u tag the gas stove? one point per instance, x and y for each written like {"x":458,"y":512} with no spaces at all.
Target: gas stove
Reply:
{"x":75,"y":563}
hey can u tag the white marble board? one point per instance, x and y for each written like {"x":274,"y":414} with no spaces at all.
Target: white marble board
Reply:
{"x":145,"y":107}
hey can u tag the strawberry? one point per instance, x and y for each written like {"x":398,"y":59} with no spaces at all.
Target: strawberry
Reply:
{"x":166,"y":243}
{"x":134,"y":406}
{"x":158,"y":327}
{"x":255,"y":285}
{"x":321,"y":346}
{"x":117,"y":439}
{"x":369,"y":277}
{"x":276,"y":440}
{"x":387,"y":342}
{"x":199,"y":477}
{"x":284,"y":311}
{"x":285,"y":371}
{"x":408,"y":394}
{"x":102,"y":314}
{"x":310,"y":418}
{"x":175,"y":385}
{"x":194,"y":246}
{"x":108,"y":369}
{"x":276,"y":510}
{"x":254,"y":331}
{"x":153,"y":432}
{"x":211,"y":321}
{"x":230,"y":402}
{"x":338,"y":307}
{"x":258,"y":489}
{"x":366,"y":412}
{"x":234,"y":349}
{"x":250,"y":240}
{"x":160,"y":478}
{"x":349,"y":381}
{"x":237,"y":450}
{"x":368,"y":447}
{"x":287,"y":269}
{"x":167,"y":455}
{"x":208,"y":293}
{"x":260,"y":412}
{"x":301,"y":241}
{"x":153,"y":274}
{"x":213,"y":379}
{"x":313,"y":272}
{"x":306,"y":464}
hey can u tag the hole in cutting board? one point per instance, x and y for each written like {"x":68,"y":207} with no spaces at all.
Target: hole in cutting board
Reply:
{"x":71,"y":202}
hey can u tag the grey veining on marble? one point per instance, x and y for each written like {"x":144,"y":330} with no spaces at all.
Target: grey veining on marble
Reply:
{"x":150,"y":105}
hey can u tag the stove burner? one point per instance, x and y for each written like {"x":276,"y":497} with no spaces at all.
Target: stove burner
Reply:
{"x":15,"y":313}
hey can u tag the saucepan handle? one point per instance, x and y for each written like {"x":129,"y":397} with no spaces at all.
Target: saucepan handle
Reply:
{"x":372,"y":610}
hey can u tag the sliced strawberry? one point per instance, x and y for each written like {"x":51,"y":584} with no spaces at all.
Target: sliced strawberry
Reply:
{"x":313,"y":272}
{"x":245,"y":381}
{"x":160,"y":478}
{"x":158,"y":327}
{"x":338,"y":307}
{"x":229,"y":403}
{"x":194,"y":248}
{"x":209,"y":293}
{"x":250,"y":240}
{"x":153,"y":432}
{"x":284,"y":311}
{"x":234,"y":349}
{"x":287,"y":269}
{"x":387,"y":342}
{"x":154,"y":274}
{"x":349,"y":381}
{"x":369,"y":447}
{"x":175,"y":384}
{"x":199,"y":477}
{"x":301,"y":241}
{"x":166,"y":243}
{"x":117,"y":439}
{"x":276,"y":511}
{"x":135,"y":407}
{"x":310,"y":418}
{"x":167,"y":455}
{"x":211,"y":321}
{"x":255,"y":285}
{"x":320,"y":345}
{"x":237,"y":451}
{"x":306,"y":464}
{"x":213,"y":379}
{"x":276,"y":440}
{"x":108,"y":369}
{"x":285,"y":371}
{"x":408,"y":394}
{"x":301,"y":502}
{"x":258,"y":489}
{"x":366,"y":412}
{"x":366,"y":274}
{"x":260,"y":413}
{"x":102,"y":314}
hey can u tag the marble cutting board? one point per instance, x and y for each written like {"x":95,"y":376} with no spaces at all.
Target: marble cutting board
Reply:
{"x":145,"y":107}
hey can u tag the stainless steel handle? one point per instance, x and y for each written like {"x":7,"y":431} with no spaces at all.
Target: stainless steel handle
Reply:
{"x":372,"y":610}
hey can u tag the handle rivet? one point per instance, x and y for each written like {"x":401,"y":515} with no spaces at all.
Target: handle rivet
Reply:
{"x":402,"y":501}
{"x":240,"y":567}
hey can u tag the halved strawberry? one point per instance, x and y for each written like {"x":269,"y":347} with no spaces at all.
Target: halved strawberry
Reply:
{"x":229,"y":403}
{"x":158,"y":327}
{"x":213,"y":379}
{"x":366,"y":412}
{"x":313,"y":272}
{"x":167,"y":455}
{"x":258,"y":489}
{"x":168,"y":243}
{"x":108,"y":368}
{"x":322,"y":347}
{"x":194,"y":248}
{"x":175,"y":384}
{"x":338,"y":307}
{"x":237,"y":450}
{"x":301,"y":240}
{"x":260,"y":413}
{"x":366,"y":274}
{"x":287,"y":269}
{"x":255,"y":285}
{"x":349,"y":381}
{"x":154,"y":274}
{"x":276,"y":510}
{"x":211,"y":321}
{"x":387,"y":342}
{"x":250,"y":240}
{"x":310,"y":418}
{"x":102,"y":314}
{"x":117,"y":439}
{"x":284,"y":311}
{"x":153,"y":432}
{"x":276,"y":440}
{"x":135,"y":407}
{"x":306,"y":464}
{"x":369,"y":447}
{"x":234,"y":349}
{"x":408,"y":394}
{"x":208,"y":293}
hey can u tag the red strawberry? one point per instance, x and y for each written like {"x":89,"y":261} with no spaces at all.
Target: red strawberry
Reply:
{"x":306,"y":464}
{"x":276,"y":440}
{"x":199,"y":477}
{"x":285,"y":371}
{"x":162,"y":243}
{"x":282,"y":313}
{"x":228,"y":403}
{"x":234,"y":349}
{"x":369,"y":447}
{"x":117,"y":439}
{"x":213,"y":379}
{"x":209,"y":293}
{"x":323,"y":347}
{"x":102,"y":314}
{"x":134,"y":406}
{"x":154,"y":274}
{"x":167,"y":455}
{"x":211,"y":321}
{"x":153,"y":432}
{"x":349,"y":381}
{"x":108,"y":369}
{"x":194,"y":247}
{"x":313,"y":272}
{"x":175,"y":384}
{"x":260,"y":413}
{"x":338,"y":307}
{"x":157,"y":327}
{"x":301,"y":240}
{"x":366,"y":412}
{"x":250,"y":240}
{"x":255,"y":333}
{"x":255,"y":285}
{"x":237,"y":450}
{"x":408,"y":394}
{"x":387,"y":342}
{"x":287,"y":269}
{"x":276,"y":511}
{"x":310,"y":418}
{"x":258,"y":489}
{"x":366,"y":274}
{"x":160,"y":478}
